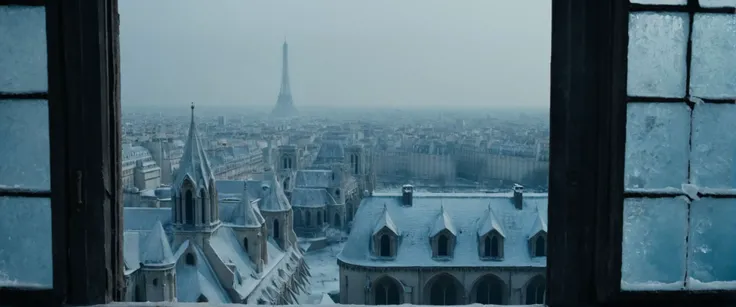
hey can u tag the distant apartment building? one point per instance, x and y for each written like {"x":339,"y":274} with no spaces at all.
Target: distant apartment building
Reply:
{"x":139,"y":168}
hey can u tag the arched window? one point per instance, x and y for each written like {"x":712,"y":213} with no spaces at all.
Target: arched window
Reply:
{"x":442,"y":246}
{"x":444,"y":292}
{"x":285,"y":163}
{"x":202,"y":299}
{"x":337,"y":220}
{"x":245,"y":244}
{"x":309,"y":218}
{"x":487,"y":246}
{"x":495,"y":248}
{"x":276,"y":229}
{"x":319,"y":218}
{"x":204,"y":201}
{"x":189,"y":207}
{"x":337,"y":192}
{"x":385,"y":246}
{"x":489,"y":290}
{"x":155,"y":282}
{"x":536,"y":291}
{"x":190,"y":260}
{"x":539,"y":248}
{"x":286,"y":184}
{"x":386,"y":292}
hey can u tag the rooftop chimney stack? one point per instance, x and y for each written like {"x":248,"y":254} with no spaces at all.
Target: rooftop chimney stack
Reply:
{"x":407,"y":195}
{"x":518,"y":196}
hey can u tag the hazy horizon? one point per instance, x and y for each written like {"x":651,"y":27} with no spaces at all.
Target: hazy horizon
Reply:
{"x":419,"y":53}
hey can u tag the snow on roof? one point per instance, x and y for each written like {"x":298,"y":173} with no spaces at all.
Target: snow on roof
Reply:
{"x":313,"y":178}
{"x":385,"y":221}
{"x":540,"y":225}
{"x":199,"y":279}
{"x":490,"y":223}
{"x":467,"y":213}
{"x":307,"y":197}
{"x":227,"y":248}
{"x":245,"y":214}
{"x":274,"y":199}
{"x":442,"y":222}
{"x":234,"y":188}
{"x":194,"y":164}
{"x":156,"y":249}
{"x":131,"y":251}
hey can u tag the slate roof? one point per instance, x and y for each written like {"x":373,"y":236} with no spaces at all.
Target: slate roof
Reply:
{"x":273,"y":198}
{"x":194,"y":163}
{"x":466,"y":213}
{"x":313,"y":178}
{"x":305,"y":197}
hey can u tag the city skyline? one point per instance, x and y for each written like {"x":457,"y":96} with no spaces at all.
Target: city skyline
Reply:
{"x":339,"y":57}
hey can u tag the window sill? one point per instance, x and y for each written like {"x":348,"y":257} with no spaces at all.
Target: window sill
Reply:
{"x":173,"y":304}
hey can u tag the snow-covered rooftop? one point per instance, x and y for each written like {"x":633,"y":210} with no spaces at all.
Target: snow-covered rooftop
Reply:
{"x":466,"y":214}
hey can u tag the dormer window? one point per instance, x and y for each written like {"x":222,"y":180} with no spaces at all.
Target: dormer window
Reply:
{"x":189,"y":259}
{"x":385,"y":236}
{"x":538,"y":238}
{"x":442,"y":235}
{"x":490,"y":237}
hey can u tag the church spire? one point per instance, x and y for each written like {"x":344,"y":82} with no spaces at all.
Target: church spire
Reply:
{"x":194,"y":182}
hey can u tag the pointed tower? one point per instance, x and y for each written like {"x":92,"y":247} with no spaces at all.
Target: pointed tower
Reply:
{"x":284,"y":104}
{"x":195,"y":197}
{"x":276,"y":209}
{"x":250,"y":228}
{"x":158,"y":275}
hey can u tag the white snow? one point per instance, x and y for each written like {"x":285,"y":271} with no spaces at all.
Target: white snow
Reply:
{"x":652,"y":285}
{"x":717,"y":3}
{"x":323,"y":267}
{"x":694,"y":284}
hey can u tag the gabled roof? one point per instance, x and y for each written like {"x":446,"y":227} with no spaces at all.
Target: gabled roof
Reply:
{"x":274,"y":199}
{"x":490,"y":223}
{"x":442,"y":222}
{"x":156,"y":248}
{"x":540,"y":225}
{"x":310,"y":197}
{"x":313,"y":178}
{"x":467,"y":213}
{"x":385,"y":221}
{"x":194,"y":163}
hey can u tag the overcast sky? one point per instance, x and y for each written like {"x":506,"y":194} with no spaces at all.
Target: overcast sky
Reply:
{"x":407,"y":53}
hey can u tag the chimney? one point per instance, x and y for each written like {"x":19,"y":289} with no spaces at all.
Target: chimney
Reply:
{"x":407,"y":195}
{"x":518,"y":196}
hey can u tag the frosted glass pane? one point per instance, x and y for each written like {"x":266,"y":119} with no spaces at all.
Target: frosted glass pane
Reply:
{"x":25,"y":242}
{"x":654,"y":244}
{"x":659,"y":1}
{"x":657,"y":145}
{"x":24,"y":132}
{"x":23,"y":49}
{"x":657,"y":54}
{"x":717,"y":3}
{"x":713,"y":67}
{"x":712,"y":248}
{"x":713,"y":146}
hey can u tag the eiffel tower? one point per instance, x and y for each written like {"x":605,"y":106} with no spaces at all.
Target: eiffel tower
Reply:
{"x":284,"y":104}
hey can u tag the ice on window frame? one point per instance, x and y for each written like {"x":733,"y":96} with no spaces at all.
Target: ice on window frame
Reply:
{"x":710,"y":261}
{"x":713,"y":146}
{"x":657,"y":51}
{"x":717,"y":3}
{"x":25,"y":242}
{"x":653,"y":249}
{"x":23,"y":60}
{"x":24,"y":152}
{"x":657,"y":145}
{"x":713,"y":65}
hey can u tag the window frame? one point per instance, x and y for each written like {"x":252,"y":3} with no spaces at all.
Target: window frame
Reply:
{"x":587,"y":151}
{"x":83,"y":98}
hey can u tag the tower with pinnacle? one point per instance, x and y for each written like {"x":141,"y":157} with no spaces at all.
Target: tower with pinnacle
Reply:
{"x":284,"y":104}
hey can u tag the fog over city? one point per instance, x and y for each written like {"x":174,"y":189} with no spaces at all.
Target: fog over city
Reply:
{"x":398,"y":54}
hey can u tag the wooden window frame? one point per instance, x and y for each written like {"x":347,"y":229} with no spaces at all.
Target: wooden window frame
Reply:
{"x":84,"y":131}
{"x":587,"y":148}
{"x":587,"y":134}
